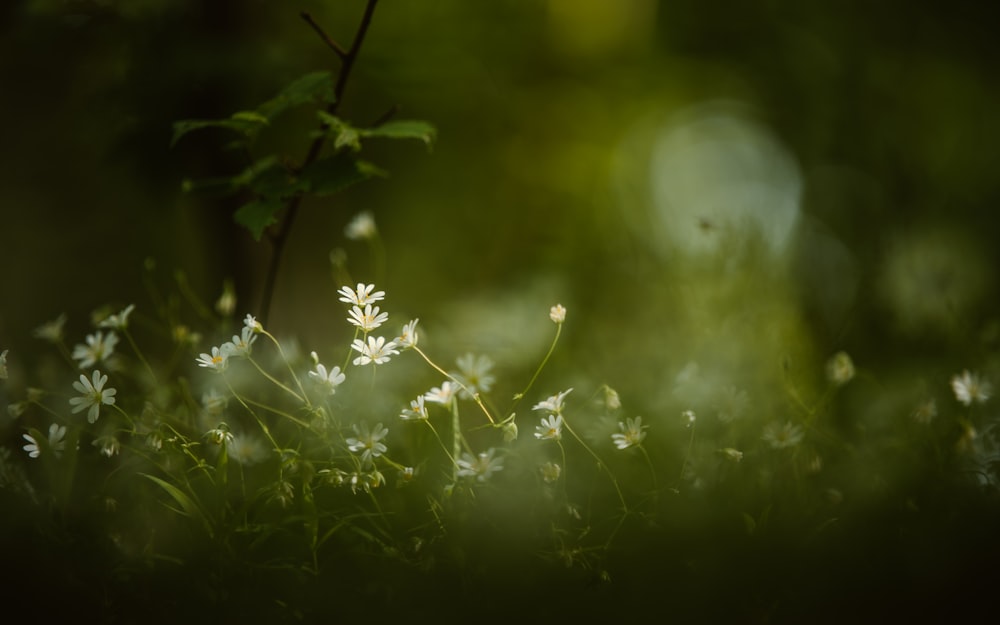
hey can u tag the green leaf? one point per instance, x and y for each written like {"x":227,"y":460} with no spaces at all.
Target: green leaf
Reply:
{"x":404,"y":129}
{"x":316,"y":87}
{"x":258,"y":214}
{"x":247,"y":123}
{"x":342,"y":133}
{"x":330,"y":175}
{"x":188,"y":506}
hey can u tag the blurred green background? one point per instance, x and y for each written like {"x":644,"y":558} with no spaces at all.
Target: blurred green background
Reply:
{"x":595,"y":153}
{"x":723,"y":194}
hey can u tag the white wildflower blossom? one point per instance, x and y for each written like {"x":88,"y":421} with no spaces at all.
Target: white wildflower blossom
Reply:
{"x":98,"y":349}
{"x":376,"y":350}
{"x":217,"y":360}
{"x":969,"y":388}
{"x":550,"y":429}
{"x":368,"y":441}
{"x":361,"y":227}
{"x":368,"y":319}
{"x":220,"y":435}
{"x":55,"y":442}
{"x":251,"y":322}
{"x":689,"y":418}
{"x":214,"y":403}
{"x":327,"y":380}
{"x":733,"y":455}
{"x":732,"y":404}
{"x":417,"y":410}
{"x":557,"y":313}
{"x":840,"y":369}
{"x":51,"y":331}
{"x":782,"y":435}
{"x":246,"y":450}
{"x":226,"y":303}
{"x":474,"y":374}
{"x":93,"y":395}
{"x":631,"y":435}
{"x":241,"y":344}
{"x":408,"y":337}
{"x":550,"y":472}
{"x":554,"y":404}
{"x":481,"y":466}
{"x":363,"y":295}
{"x":107,"y":445}
{"x":118,"y":321}
{"x":443,"y":394}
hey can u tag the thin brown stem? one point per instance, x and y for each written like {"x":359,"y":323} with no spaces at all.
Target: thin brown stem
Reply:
{"x":322,"y":35}
{"x":347,"y":63}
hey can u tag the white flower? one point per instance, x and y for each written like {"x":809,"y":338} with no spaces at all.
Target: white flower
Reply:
{"x":361,"y":227}
{"x":551,"y":472}
{"x":970,"y":388}
{"x":218,"y":359}
{"x":732,"y":404}
{"x":550,"y":429}
{"x":376,"y":350}
{"x":554,"y":404}
{"x":780,"y":436}
{"x":474,"y":374}
{"x":213,"y":403}
{"x":51,"y":331}
{"x":251,"y":322}
{"x":220,"y":435}
{"x":226,"y":303}
{"x":733,"y":455}
{"x":689,"y":418}
{"x":840,"y":369}
{"x":611,"y":399}
{"x":481,"y":466}
{"x":3,"y":364}
{"x":241,"y":344}
{"x":327,"y":381}
{"x":119,"y":321}
{"x":557,"y":313}
{"x":631,"y":435}
{"x":408,"y":337}
{"x":97,"y":349}
{"x":55,"y":442}
{"x":417,"y":410}
{"x":94,"y":394}
{"x":360,"y":296}
{"x":442,"y":395}
{"x":368,"y":442}
{"x":108,"y":445}
{"x":367,"y":319}
{"x":246,"y":450}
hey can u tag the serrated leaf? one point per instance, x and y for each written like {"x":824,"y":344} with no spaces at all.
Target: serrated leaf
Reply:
{"x":404,"y":129}
{"x":258,"y":214}
{"x":247,"y":123}
{"x":330,"y":175}
{"x":316,"y":87}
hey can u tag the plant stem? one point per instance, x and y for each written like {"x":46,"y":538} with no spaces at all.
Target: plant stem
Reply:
{"x":347,"y":59}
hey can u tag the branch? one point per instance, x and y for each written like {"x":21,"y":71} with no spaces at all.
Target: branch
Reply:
{"x":322,"y":35}
{"x":347,"y":63}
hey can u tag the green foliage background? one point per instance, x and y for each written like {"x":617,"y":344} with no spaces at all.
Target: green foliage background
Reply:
{"x":537,"y":191}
